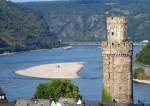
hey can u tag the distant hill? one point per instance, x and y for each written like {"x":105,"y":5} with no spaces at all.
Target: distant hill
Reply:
{"x":84,"y":20}
{"x":22,"y":29}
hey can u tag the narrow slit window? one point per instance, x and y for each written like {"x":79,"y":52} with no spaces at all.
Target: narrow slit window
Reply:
{"x":109,"y":75}
{"x":112,"y":33}
{"x":120,"y":88}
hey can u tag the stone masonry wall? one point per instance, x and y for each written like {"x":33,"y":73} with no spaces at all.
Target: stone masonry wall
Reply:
{"x":117,"y":62}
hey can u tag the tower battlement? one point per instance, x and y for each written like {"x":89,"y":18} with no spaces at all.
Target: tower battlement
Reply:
{"x":117,"y":20}
{"x":117,"y":60}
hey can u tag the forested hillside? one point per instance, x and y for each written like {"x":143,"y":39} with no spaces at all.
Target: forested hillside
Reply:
{"x":22,"y":29}
{"x":84,"y":20}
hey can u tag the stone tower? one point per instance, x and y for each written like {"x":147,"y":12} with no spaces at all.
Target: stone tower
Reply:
{"x":117,"y":60}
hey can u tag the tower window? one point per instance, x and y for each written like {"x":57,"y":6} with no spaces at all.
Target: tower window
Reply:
{"x":120,"y":88}
{"x":112,"y":33}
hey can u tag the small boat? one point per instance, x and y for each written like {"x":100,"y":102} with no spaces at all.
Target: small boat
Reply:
{"x":67,"y":47}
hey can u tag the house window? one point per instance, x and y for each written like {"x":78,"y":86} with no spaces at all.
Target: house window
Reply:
{"x":3,"y":97}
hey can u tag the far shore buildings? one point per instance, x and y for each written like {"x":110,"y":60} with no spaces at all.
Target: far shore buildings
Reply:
{"x":117,"y":60}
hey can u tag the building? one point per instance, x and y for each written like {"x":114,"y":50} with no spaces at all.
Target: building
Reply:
{"x":34,"y":102}
{"x":45,"y":102}
{"x":117,"y":60}
{"x":3,"y":98}
{"x":67,"y":101}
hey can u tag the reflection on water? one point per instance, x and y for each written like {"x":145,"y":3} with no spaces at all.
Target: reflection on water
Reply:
{"x":90,"y":83}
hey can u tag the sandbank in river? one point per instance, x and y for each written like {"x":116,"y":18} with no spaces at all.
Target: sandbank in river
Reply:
{"x":68,"y":70}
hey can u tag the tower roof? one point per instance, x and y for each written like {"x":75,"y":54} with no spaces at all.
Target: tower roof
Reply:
{"x":1,"y":92}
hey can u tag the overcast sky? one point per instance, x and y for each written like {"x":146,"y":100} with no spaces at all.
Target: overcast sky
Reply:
{"x":34,"y":0}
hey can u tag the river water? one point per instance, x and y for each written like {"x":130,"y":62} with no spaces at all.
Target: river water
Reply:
{"x":90,"y":83}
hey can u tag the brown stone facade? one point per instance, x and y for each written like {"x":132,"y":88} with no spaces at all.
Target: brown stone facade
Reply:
{"x":117,"y":61}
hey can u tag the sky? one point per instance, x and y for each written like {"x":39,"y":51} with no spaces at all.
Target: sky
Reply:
{"x":34,"y":0}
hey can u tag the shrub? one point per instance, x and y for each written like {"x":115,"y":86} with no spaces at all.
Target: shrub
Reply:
{"x":139,"y":73}
{"x":106,"y":96}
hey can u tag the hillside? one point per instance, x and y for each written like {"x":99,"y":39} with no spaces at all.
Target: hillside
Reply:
{"x":21,"y":29}
{"x":84,"y":20}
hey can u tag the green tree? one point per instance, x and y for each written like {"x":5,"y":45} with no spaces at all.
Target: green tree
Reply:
{"x":139,"y":73}
{"x":55,"y":89}
{"x":144,"y":55}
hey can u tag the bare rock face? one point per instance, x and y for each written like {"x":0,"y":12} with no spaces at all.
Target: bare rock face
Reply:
{"x":71,"y":27}
{"x":117,"y":61}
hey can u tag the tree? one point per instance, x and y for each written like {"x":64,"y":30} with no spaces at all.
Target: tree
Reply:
{"x":55,"y":89}
{"x":139,"y":73}
{"x":143,"y":56}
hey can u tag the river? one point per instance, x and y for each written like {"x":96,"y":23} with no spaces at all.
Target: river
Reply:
{"x":90,"y":83}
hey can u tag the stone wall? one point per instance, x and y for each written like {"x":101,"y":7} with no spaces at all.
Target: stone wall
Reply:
{"x":117,"y":29}
{"x":117,"y":61}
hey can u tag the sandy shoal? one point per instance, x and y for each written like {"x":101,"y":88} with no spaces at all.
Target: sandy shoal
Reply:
{"x":142,"y":81}
{"x":68,"y":70}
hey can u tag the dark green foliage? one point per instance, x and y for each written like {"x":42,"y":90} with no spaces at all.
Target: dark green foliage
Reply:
{"x":84,"y":20}
{"x":139,"y":73}
{"x":144,"y":55}
{"x":22,"y":29}
{"x":106,"y":96}
{"x":55,"y":89}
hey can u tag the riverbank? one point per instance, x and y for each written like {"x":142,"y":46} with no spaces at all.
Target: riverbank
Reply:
{"x":142,"y":81}
{"x":67,"y":70}
{"x":3,"y":54}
